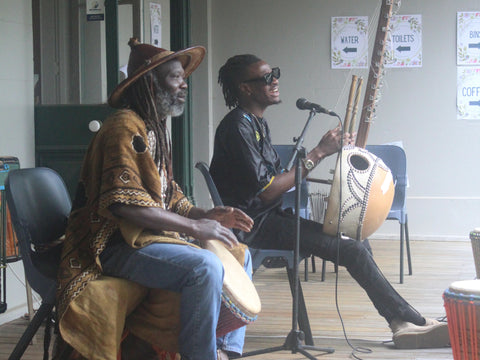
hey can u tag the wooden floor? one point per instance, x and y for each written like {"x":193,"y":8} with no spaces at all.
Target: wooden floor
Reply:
{"x":435,"y":266}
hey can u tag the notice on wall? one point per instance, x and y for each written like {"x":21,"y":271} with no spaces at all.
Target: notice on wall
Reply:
{"x":95,"y":10}
{"x":468,"y":38}
{"x":349,"y":42}
{"x":404,"y":45}
{"x":156,"y":24}
{"x":468,"y":93}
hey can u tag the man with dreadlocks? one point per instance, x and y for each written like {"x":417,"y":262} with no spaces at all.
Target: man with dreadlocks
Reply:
{"x":247,"y":171}
{"x":130,"y":220}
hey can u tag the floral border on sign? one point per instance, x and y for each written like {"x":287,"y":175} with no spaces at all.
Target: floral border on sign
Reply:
{"x":338,"y":26}
{"x":415,"y":24}
{"x":467,"y":75}
{"x":464,"y":23}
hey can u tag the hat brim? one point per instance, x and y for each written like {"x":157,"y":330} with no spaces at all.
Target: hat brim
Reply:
{"x":190,"y":59}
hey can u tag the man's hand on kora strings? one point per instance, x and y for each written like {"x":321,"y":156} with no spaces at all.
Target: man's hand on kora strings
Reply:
{"x":231,"y":217}
{"x":331,"y":142}
{"x":349,"y":138}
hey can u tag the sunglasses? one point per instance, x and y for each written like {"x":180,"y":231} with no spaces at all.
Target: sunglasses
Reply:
{"x":268,"y":77}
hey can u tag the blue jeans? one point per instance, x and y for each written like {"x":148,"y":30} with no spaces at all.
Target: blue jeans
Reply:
{"x":195,"y":273}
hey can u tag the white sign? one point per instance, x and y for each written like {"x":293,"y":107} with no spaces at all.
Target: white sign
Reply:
{"x":95,"y":10}
{"x":468,"y":38}
{"x":349,"y":42}
{"x":404,"y":46}
{"x":468,"y":93}
{"x":156,"y":24}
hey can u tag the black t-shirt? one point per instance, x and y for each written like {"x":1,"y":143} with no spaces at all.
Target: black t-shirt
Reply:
{"x":244,"y":164}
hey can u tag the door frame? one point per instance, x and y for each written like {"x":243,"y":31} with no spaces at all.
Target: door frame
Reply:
{"x":181,"y":126}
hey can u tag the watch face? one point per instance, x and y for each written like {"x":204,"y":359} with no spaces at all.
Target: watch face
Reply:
{"x":309,"y":164}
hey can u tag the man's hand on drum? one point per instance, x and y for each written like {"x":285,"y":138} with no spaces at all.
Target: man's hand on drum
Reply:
{"x":231,"y":217}
{"x":208,"y":229}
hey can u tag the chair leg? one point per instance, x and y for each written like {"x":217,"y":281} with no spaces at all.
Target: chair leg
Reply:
{"x":306,"y":268}
{"x":314,"y":269}
{"x":42,"y":313}
{"x":407,"y":243}
{"x":401,"y":253}
{"x":303,"y":322}
{"x":324,"y":268}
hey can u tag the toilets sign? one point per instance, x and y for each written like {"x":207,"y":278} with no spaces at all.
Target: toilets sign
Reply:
{"x":404,"y":47}
{"x":468,"y":38}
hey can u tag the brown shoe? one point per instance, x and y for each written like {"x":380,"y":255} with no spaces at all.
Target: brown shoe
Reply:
{"x":221,"y":355}
{"x":433,"y":334}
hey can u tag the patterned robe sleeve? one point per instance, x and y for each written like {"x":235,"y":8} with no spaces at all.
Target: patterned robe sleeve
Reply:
{"x":180,"y":203}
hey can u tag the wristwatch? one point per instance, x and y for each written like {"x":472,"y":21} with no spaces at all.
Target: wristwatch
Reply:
{"x":309,"y":164}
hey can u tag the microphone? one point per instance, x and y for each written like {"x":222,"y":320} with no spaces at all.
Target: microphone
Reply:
{"x":303,"y":104}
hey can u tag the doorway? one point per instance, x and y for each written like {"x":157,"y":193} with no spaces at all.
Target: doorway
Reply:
{"x":78,"y":61}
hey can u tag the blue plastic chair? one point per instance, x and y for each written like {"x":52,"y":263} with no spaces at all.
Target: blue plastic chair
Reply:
{"x":285,"y":153}
{"x":267,"y":258}
{"x":395,"y":158}
{"x":39,"y":205}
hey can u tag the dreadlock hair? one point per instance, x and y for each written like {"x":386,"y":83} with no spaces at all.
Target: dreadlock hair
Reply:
{"x":141,"y":98}
{"x":231,"y":74}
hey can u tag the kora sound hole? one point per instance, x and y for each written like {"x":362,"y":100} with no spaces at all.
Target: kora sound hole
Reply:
{"x":359,"y":162}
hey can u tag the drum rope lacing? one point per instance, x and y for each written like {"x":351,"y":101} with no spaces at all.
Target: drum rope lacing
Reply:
{"x":459,"y":317}
{"x":239,"y":313}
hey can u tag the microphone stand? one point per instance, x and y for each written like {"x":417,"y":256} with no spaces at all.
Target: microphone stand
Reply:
{"x":298,"y":145}
{"x":294,"y":339}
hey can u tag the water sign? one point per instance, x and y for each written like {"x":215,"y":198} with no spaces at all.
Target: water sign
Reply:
{"x":349,"y":42}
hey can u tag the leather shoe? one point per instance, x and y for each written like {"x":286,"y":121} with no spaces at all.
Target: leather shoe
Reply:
{"x":433,"y":334}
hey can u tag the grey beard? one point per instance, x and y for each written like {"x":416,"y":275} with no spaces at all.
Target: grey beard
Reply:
{"x":168,"y":104}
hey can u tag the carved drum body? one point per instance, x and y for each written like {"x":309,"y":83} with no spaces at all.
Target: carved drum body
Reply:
{"x":361,"y":195}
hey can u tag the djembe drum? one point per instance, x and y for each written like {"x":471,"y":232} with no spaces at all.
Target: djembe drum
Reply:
{"x":240,"y":301}
{"x":475,"y":240}
{"x":462,"y":305}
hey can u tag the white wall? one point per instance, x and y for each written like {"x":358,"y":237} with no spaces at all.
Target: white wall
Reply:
{"x":418,"y":106}
{"x":16,"y":116}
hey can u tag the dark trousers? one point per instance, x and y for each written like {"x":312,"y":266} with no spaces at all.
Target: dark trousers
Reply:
{"x":277,"y":231}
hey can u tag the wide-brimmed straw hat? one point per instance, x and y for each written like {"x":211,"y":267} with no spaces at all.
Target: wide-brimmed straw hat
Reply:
{"x":144,"y":57}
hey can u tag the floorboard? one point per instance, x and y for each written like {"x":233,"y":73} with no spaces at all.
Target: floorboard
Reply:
{"x":340,"y":313}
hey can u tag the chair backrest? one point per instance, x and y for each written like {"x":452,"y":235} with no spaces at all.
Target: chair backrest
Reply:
{"x":40,"y":205}
{"x":285,"y":153}
{"x":259,"y":256}
{"x":212,"y":188}
{"x":395,"y":158}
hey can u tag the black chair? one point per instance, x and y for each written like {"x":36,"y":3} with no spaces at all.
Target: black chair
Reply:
{"x":40,"y":205}
{"x":267,"y":258}
{"x":395,"y":158}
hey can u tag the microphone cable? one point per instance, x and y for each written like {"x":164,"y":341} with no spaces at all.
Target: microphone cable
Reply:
{"x":355,"y":349}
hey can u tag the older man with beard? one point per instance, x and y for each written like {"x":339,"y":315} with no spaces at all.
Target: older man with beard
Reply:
{"x":130,"y":218}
